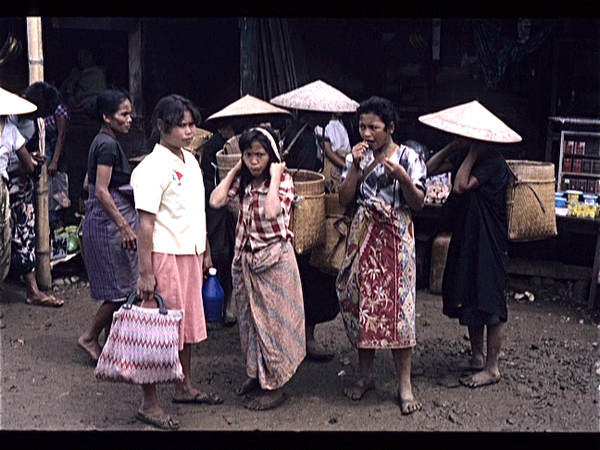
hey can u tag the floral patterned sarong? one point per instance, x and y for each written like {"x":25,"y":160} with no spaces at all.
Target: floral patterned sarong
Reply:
{"x":376,"y":285}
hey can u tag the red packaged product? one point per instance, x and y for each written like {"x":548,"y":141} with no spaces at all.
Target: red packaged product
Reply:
{"x":567,"y":164}
{"x":577,"y":166}
{"x":580,"y":148}
{"x":569,"y":147}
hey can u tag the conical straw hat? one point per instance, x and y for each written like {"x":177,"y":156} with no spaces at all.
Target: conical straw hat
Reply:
{"x":316,"y":96}
{"x":473,"y":121}
{"x":13,"y":104}
{"x":247,"y":106}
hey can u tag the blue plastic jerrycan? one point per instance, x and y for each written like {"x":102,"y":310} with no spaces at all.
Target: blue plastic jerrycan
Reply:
{"x":212,"y":297}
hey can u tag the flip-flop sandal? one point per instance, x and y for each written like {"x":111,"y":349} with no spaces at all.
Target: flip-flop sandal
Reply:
{"x":199,"y":398}
{"x":359,"y":387}
{"x":163,"y":421}
{"x":49,"y":300}
{"x":471,"y":383}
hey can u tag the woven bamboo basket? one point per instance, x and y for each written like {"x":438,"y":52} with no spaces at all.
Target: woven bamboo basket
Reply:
{"x":224,"y":164}
{"x":530,"y":204}
{"x":307,"y":220}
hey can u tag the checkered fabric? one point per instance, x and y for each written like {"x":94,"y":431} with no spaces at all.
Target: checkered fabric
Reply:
{"x":252,"y":227}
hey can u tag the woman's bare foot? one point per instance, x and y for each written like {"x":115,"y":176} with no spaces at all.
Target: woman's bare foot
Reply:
{"x":358,"y":389}
{"x":266,"y":400}
{"x":477,"y":362}
{"x":251,"y":384}
{"x":42,"y":299}
{"x":91,"y":347}
{"x":483,"y":378}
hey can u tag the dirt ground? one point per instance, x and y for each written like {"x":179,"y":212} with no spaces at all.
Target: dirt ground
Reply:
{"x":550,"y":375}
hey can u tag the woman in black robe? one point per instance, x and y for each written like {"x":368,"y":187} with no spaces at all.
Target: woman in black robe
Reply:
{"x":475,"y":272}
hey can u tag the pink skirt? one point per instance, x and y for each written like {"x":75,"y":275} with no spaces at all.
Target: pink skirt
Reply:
{"x":179,"y":281}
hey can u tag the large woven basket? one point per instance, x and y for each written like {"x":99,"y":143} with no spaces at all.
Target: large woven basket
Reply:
{"x":530,"y":208}
{"x":329,"y":256}
{"x":225,"y":163}
{"x":307,"y":220}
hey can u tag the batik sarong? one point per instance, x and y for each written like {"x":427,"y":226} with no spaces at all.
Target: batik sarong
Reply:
{"x":22,"y":258}
{"x":5,"y":230}
{"x":270,"y":313}
{"x":376,"y":285}
{"x":112,"y":270}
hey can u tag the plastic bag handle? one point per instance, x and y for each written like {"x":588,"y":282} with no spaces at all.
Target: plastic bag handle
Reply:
{"x":162,"y":309}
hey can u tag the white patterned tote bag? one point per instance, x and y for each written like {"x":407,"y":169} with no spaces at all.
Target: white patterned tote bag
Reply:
{"x":143,"y":345}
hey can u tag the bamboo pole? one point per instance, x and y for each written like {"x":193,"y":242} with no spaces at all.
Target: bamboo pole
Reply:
{"x":42,"y":227}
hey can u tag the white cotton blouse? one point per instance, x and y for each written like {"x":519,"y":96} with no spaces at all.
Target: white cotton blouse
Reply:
{"x":173,"y":190}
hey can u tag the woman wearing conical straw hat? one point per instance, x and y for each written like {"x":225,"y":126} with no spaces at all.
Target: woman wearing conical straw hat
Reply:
{"x":11,"y":143}
{"x":315,"y":103}
{"x":475,"y":273}
{"x":24,"y":171}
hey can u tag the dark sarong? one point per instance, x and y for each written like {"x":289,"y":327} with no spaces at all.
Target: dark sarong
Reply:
{"x":5,"y":230}
{"x":318,"y":290}
{"x":22,"y":258}
{"x":113,"y":271}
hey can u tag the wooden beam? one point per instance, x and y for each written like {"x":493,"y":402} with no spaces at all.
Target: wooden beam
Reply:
{"x":95,"y":23}
{"x":548,"y":269}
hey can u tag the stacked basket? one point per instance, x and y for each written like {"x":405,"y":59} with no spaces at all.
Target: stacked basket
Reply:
{"x":308,"y":210}
{"x":225,"y":163}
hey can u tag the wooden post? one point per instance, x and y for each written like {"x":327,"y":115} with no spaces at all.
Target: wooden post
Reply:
{"x":135,"y":70}
{"x":42,"y":227}
{"x":248,"y":63}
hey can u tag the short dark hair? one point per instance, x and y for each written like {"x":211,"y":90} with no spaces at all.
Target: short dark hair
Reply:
{"x":246,"y":140}
{"x":170,"y":110}
{"x":44,"y":96}
{"x":106,"y":103}
{"x":381,"y":107}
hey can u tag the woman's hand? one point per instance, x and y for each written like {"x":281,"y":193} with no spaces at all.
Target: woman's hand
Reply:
{"x":358,"y":152}
{"x":394,"y":171}
{"x":276,"y":170}
{"x":52,"y":167}
{"x":207,"y":262}
{"x":37,"y":158}
{"x":146,"y":286}
{"x":128,"y":237}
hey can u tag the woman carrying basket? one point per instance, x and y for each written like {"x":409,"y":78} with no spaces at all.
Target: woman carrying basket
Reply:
{"x":475,"y":273}
{"x":172,"y":242}
{"x":376,"y":285}
{"x":266,"y":280}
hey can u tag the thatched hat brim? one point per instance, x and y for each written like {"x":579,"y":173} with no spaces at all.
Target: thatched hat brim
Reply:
{"x":471,"y":120}
{"x":13,"y":104}
{"x":248,"y":106}
{"x":200,"y":138}
{"x":316,"y":96}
